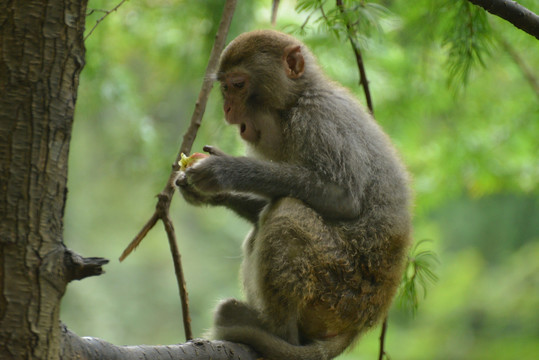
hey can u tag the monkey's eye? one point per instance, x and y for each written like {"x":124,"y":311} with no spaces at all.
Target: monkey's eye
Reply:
{"x":224,"y":86}
{"x":239,"y":85}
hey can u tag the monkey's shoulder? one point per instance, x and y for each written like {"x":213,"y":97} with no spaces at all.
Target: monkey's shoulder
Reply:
{"x":333,"y":104}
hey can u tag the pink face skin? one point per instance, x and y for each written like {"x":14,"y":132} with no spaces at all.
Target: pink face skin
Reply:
{"x":235,"y":87}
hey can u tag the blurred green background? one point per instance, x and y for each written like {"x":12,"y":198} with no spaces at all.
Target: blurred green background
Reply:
{"x":473,"y":153}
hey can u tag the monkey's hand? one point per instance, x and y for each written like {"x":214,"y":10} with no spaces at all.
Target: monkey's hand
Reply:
{"x":212,"y":150}
{"x":189,"y":192}
{"x":208,"y":175}
{"x":196,"y":181}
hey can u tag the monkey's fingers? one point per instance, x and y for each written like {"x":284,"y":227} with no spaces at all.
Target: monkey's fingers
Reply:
{"x":212,"y":150}
{"x":181,"y":180}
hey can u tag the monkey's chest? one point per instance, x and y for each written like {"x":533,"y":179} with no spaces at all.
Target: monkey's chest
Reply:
{"x":250,"y":270}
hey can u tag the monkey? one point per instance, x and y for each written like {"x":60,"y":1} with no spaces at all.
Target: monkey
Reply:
{"x":326,"y":192}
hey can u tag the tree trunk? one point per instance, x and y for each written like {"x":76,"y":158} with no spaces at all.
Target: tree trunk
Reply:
{"x":41,"y":56}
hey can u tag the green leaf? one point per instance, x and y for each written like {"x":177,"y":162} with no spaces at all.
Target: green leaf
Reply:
{"x":419,"y":273}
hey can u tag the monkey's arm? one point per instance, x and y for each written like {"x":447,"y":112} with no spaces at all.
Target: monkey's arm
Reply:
{"x":219,"y":174}
{"x":246,"y":206}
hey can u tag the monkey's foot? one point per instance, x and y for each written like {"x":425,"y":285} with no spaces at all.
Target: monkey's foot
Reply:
{"x":231,"y":312}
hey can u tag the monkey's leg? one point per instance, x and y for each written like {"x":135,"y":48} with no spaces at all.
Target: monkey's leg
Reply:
{"x":233,"y":314}
{"x":290,"y":261}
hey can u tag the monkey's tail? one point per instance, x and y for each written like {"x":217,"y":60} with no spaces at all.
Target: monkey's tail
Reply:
{"x":272,"y":347}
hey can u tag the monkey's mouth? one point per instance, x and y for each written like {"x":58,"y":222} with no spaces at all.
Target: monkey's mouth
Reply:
{"x":248,"y":133}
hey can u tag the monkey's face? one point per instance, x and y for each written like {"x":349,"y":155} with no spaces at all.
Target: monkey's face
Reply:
{"x":259,"y":80}
{"x":235,"y":87}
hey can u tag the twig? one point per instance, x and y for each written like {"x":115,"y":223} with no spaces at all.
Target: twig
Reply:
{"x":383,"y":340}
{"x":165,"y":197}
{"x":527,"y":72}
{"x":209,"y":79}
{"x":96,"y":10}
{"x":141,"y":235}
{"x":359,"y":59}
{"x":274,"y":8}
{"x":107,"y":12}
{"x":302,"y":27}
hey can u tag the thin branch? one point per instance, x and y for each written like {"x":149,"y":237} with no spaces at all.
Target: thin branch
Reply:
{"x":180,"y":278}
{"x":365,"y":84}
{"x":96,"y":10}
{"x":107,"y":13}
{"x":165,"y":197}
{"x":359,"y":58}
{"x":513,"y":12}
{"x":274,"y":8}
{"x":526,"y":70}
{"x":141,"y":235}
{"x":307,"y":20}
{"x":209,"y":79}
{"x":382,"y":351}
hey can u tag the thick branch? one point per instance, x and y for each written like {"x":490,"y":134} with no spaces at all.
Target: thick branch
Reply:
{"x":79,"y":267}
{"x":513,"y":12}
{"x":88,"y":348}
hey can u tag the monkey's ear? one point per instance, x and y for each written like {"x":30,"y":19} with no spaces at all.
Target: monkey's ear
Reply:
{"x":293,"y":61}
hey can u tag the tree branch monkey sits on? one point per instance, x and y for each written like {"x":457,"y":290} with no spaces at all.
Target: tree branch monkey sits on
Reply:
{"x":327,"y":196}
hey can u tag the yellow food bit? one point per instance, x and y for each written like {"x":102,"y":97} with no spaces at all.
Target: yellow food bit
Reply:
{"x":184,"y":162}
{"x":187,"y":161}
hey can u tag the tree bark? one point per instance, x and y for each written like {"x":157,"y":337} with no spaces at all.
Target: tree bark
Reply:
{"x":88,"y":348}
{"x":41,"y":56}
{"x":513,"y":12}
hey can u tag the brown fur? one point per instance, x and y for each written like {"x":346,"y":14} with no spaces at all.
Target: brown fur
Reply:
{"x":326,"y":193}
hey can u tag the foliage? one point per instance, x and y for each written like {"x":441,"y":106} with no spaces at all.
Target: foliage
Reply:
{"x":465,"y":28}
{"x":419,"y":273}
{"x":361,"y":19}
{"x":467,"y":37}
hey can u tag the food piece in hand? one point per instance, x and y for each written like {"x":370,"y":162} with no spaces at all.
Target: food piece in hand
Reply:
{"x":187,"y":161}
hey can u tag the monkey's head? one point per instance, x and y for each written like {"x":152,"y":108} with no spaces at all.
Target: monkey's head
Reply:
{"x":262,"y":73}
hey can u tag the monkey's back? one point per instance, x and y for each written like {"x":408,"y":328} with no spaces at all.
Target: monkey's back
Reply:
{"x":345,"y":145}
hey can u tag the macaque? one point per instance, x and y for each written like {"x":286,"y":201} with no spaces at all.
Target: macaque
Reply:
{"x":326,"y":193}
